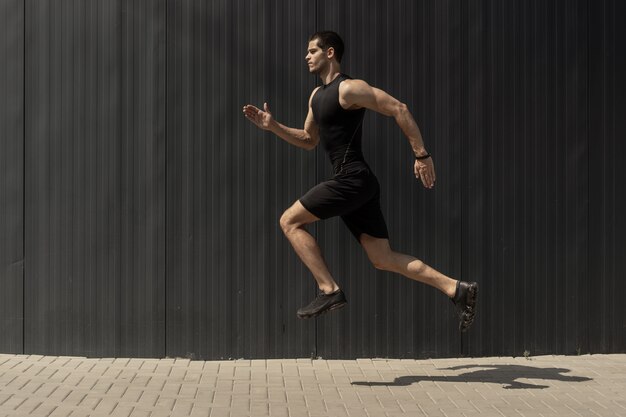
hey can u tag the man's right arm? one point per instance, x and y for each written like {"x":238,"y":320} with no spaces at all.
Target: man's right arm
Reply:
{"x":306,"y":138}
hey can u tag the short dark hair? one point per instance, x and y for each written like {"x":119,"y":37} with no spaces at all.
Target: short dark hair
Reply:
{"x":327,"y":39}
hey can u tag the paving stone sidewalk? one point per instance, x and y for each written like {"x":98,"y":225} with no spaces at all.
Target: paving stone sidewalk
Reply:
{"x":540,"y":386}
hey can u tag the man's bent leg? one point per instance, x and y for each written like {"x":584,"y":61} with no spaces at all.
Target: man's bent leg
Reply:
{"x":292,"y":222}
{"x":382,"y":257}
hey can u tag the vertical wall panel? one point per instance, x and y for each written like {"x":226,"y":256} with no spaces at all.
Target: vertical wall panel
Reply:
{"x":11,"y":175}
{"x":607,"y":174}
{"x":95,"y":178}
{"x":410,"y":50}
{"x":502,"y":106}
{"x":526,"y":232}
{"x":233,"y":282}
{"x":527,"y":201}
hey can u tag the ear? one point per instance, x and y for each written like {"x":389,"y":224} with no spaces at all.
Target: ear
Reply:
{"x":330,"y":52}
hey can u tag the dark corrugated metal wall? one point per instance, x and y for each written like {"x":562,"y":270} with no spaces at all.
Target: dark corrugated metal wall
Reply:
{"x":95,"y":178}
{"x":527,"y":195}
{"x":11,"y":175}
{"x":607,"y":175}
{"x":151,"y":205}
{"x":233,"y":282}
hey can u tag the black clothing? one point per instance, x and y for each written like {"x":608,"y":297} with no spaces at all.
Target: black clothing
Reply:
{"x":353,"y":192}
{"x":339,"y":129}
{"x":354,"y":195}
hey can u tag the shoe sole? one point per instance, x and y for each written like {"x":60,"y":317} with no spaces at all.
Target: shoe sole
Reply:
{"x":335,"y":306}
{"x":473,"y":297}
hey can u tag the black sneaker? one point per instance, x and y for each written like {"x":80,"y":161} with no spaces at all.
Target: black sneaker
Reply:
{"x":465,"y":302}
{"x":323,"y":303}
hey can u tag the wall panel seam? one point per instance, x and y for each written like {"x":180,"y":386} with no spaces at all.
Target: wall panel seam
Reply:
{"x":164,"y":149}
{"x":587,"y":99}
{"x":23,"y":173}
{"x":316,"y":176}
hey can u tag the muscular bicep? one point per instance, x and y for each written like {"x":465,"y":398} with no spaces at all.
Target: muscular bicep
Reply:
{"x":310,"y":127}
{"x":358,"y":93}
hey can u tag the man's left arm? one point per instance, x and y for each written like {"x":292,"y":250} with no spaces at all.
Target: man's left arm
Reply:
{"x":357,"y":93}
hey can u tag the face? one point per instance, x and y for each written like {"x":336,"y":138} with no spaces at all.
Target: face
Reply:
{"x":316,"y":58}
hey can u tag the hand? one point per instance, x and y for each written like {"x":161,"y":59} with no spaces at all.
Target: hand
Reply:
{"x":262,"y":119}
{"x":425,"y":170}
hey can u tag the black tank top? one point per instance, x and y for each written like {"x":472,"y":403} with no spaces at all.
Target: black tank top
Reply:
{"x":339,"y":129}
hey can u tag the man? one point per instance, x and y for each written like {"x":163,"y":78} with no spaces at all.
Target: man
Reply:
{"x":336,"y":111}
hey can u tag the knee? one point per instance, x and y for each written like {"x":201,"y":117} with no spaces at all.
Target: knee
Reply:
{"x":286,"y":222}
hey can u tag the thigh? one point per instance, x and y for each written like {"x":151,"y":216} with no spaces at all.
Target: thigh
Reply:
{"x":337,"y":197}
{"x":367,"y":220}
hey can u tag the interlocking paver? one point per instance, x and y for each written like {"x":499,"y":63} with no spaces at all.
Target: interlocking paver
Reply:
{"x":544,"y":386}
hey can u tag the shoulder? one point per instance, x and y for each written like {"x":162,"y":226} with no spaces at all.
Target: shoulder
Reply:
{"x":352,"y":93}
{"x":352,"y":86}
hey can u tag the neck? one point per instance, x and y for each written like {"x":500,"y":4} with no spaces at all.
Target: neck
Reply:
{"x":330,"y":73}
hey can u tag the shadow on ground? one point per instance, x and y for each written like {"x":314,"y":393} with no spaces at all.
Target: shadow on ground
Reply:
{"x":497,"y":374}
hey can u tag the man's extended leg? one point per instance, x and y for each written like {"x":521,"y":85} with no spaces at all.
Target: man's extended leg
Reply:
{"x":292,"y":222}
{"x":382,"y":257}
{"x":462,"y":294}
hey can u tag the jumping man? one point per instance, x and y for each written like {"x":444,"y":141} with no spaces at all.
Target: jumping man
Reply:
{"x":335,"y":117}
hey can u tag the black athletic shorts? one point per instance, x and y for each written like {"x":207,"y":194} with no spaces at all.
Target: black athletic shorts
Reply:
{"x":353,"y":194}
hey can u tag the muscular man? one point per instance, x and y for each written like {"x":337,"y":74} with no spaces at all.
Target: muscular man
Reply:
{"x":335,"y":117}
